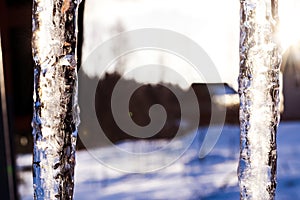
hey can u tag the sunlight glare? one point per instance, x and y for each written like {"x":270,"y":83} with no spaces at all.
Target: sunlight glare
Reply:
{"x":289,"y":29}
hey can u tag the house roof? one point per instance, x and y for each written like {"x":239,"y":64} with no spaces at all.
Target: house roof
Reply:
{"x":216,"y":88}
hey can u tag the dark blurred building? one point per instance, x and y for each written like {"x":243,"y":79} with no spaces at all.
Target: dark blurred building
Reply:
{"x":291,"y":83}
{"x":219,"y":96}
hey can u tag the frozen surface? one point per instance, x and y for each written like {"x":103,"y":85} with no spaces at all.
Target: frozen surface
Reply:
{"x":55,"y":115}
{"x":188,"y":178}
{"x":259,"y":96}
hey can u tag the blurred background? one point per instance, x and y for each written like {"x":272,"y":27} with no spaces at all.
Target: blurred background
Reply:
{"x":215,"y":27}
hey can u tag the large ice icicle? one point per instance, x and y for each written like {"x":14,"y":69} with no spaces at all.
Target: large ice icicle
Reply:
{"x":259,"y":96}
{"x":55,"y":117}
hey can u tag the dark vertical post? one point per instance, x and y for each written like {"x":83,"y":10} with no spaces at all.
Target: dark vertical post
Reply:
{"x":7,"y":162}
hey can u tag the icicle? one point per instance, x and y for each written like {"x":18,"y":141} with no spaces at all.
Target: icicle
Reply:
{"x":55,"y":116}
{"x":259,"y":96}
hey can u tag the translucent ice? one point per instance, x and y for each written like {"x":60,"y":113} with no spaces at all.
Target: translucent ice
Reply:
{"x":259,"y":99}
{"x":55,"y":117}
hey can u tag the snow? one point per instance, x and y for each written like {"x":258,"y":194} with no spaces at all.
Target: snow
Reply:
{"x":214,"y":177}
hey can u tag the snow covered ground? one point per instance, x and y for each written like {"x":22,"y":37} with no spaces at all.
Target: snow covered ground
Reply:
{"x":189,"y":178}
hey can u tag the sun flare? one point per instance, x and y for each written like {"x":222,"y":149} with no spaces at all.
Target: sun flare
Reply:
{"x":289,"y":29}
